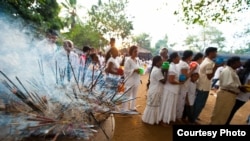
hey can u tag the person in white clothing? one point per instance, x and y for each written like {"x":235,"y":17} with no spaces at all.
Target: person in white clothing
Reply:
{"x":67,"y":63}
{"x":132,"y":78}
{"x":215,"y":80}
{"x":187,"y":71}
{"x":170,"y":91}
{"x":112,"y":69}
{"x":242,"y":98}
{"x":151,"y":113}
{"x":189,"y":109}
{"x":230,"y":87}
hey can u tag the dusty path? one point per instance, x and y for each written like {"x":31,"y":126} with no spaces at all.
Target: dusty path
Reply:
{"x":131,"y":128}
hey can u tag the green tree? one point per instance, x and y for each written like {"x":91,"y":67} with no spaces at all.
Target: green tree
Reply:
{"x":143,"y":40}
{"x":207,"y":37}
{"x":85,"y":35}
{"x":214,"y":37}
{"x":244,"y":38}
{"x":71,"y":9}
{"x":162,"y":43}
{"x":193,"y":43}
{"x":42,"y":14}
{"x":204,"y":11}
{"x":110,"y":18}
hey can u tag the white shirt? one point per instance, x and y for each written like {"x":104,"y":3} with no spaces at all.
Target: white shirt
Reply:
{"x":184,"y":66}
{"x":114,"y":61}
{"x":217,"y":72}
{"x":155,"y":84}
{"x":206,"y":67}
{"x":229,"y":80}
{"x":192,"y":92}
{"x":62,"y":59}
{"x":132,"y":78}
{"x":173,"y":70}
{"x":115,"y":65}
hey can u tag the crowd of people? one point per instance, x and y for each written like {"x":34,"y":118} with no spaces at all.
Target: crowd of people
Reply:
{"x":180,"y":93}
{"x":175,"y":93}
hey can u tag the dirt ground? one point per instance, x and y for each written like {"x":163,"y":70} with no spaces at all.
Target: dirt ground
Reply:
{"x":131,"y":128}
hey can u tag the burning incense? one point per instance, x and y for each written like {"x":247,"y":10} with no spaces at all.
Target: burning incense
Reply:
{"x":56,"y":72}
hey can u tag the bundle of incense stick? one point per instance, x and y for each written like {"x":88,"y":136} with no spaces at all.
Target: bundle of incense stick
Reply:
{"x":65,"y":110}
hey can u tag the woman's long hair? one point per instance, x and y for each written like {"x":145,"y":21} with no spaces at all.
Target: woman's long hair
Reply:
{"x":156,"y":59}
{"x":172,"y":56}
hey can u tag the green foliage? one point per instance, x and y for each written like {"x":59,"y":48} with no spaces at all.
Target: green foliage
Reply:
{"x":85,"y":35}
{"x":193,"y":42}
{"x":71,"y":18}
{"x":244,"y":37}
{"x":42,"y":14}
{"x":110,"y":18}
{"x":214,"y":36}
{"x":208,"y":36}
{"x":142,"y":40}
{"x":203,"y":11}
{"x":162,"y":43}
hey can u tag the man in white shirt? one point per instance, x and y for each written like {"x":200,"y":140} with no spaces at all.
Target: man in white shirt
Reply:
{"x":242,"y":98}
{"x":206,"y":73}
{"x":230,"y":87}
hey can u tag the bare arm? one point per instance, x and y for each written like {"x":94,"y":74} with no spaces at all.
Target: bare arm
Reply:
{"x":211,"y":75}
{"x":110,"y":69}
{"x":171,"y":79}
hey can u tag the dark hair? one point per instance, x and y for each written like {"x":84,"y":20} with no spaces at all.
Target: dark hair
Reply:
{"x":111,"y":50}
{"x":112,"y":39}
{"x":156,"y":59}
{"x":195,"y":73}
{"x":247,"y":65}
{"x":244,"y":73}
{"x":186,"y":54}
{"x":197,"y":56}
{"x":209,"y":50}
{"x":86,"y":48}
{"x":232,"y":60}
{"x":131,"y":49}
{"x":52,"y":32}
{"x":93,"y":55}
{"x":172,"y":56}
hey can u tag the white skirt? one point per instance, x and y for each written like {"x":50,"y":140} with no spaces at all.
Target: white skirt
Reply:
{"x":151,"y":114}
{"x":168,"y":106}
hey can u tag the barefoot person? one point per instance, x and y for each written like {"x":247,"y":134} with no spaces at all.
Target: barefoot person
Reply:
{"x":187,"y":71}
{"x":132,"y":77}
{"x":170,"y":91}
{"x":151,"y":114}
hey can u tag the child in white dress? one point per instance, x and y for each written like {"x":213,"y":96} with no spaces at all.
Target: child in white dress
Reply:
{"x":151,"y":114}
{"x":188,"y":110}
